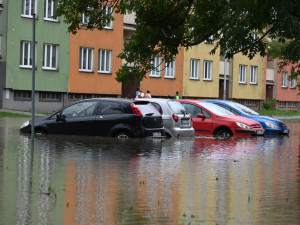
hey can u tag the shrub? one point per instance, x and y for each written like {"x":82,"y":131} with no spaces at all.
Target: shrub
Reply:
{"x":268,"y":104}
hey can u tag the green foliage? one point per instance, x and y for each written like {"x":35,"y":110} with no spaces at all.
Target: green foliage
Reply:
{"x":269,"y":104}
{"x":276,"y":112}
{"x":162,"y":27}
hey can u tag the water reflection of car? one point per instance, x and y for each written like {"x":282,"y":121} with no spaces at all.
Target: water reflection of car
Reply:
{"x":120,"y":118}
{"x":213,"y":120}
{"x":271,"y":125}
{"x":176,"y":119}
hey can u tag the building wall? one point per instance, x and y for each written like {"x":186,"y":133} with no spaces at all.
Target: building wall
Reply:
{"x":200,"y":87}
{"x":94,"y":82}
{"x":20,"y":29}
{"x":247,"y":90}
{"x":162,"y":86}
{"x":286,"y":94}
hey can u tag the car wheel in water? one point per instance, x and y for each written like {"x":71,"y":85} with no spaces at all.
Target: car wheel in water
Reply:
{"x":122,"y":135}
{"x":223,"y":133}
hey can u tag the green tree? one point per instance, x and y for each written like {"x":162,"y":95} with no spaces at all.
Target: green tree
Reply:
{"x":164,"y":26}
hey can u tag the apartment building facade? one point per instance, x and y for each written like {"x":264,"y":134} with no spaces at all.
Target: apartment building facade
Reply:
{"x":72,"y":67}
{"x":51,"y":56}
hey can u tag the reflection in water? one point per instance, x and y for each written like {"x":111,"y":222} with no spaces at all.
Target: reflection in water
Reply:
{"x":91,"y":180}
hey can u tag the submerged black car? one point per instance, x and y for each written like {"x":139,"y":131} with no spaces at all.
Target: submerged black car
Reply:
{"x":120,"y":118}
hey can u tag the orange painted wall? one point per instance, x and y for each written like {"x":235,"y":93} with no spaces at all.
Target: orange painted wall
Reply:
{"x":94,"y":82}
{"x":161,"y":86}
{"x":286,"y":94}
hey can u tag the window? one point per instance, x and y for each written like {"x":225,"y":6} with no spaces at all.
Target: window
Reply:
{"x":253,"y":74}
{"x":26,"y":54}
{"x":109,"y":13}
{"x":195,"y":110}
{"x":49,"y":96}
{"x":291,"y":104}
{"x":207,"y":70}
{"x":284,"y":79}
{"x":104,"y":65}
{"x":86,"y":59}
{"x":80,"y":109}
{"x":156,"y":62}
{"x":293,"y":83}
{"x":50,"y":57}
{"x":22,"y":95}
{"x":107,"y":108}
{"x":242,"y":74}
{"x":281,"y":104}
{"x":194,"y":70}
{"x":28,"y":7}
{"x":170,"y":69}
{"x":251,"y":103}
{"x":84,"y":19}
{"x":50,"y":10}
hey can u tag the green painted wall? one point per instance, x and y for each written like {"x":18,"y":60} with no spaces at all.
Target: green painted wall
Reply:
{"x":20,"y":28}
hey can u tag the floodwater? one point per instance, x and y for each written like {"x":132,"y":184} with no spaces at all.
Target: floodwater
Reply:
{"x":92,"y":180}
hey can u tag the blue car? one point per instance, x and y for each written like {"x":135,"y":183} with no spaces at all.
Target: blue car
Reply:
{"x":271,"y":125}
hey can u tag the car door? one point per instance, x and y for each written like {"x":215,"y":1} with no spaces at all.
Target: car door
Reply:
{"x":202,"y":126}
{"x":109,"y":115}
{"x":76,"y":119}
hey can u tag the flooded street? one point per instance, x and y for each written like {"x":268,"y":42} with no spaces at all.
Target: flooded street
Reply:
{"x":92,"y":180}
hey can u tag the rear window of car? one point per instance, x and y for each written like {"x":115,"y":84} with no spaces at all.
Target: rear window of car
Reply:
{"x":147,"y":109}
{"x":177,"y":107}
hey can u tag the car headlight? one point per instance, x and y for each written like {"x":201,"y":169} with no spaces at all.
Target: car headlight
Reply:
{"x":242,"y":125}
{"x":272,"y":125}
{"x":25,"y":124}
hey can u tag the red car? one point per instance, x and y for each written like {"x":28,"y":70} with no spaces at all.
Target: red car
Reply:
{"x":213,"y":120}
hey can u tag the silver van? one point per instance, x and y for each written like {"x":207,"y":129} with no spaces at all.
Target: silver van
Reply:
{"x":177,"y":121}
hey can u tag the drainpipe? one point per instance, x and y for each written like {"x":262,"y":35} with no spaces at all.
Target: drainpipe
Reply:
{"x":225,"y":69}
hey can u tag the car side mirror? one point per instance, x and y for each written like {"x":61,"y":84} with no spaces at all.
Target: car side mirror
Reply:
{"x":200,"y":115}
{"x":60,"y":117}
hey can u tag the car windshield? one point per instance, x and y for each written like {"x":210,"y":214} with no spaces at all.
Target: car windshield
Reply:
{"x":218,"y":110}
{"x":243,"y":108}
{"x":177,"y":107}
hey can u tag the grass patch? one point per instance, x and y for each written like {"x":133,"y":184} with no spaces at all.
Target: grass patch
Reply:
{"x":8,"y":114}
{"x":276,"y":112}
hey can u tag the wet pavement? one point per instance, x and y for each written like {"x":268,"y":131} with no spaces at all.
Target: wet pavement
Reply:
{"x":92,"y":180}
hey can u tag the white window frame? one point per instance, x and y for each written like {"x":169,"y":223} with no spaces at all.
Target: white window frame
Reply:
{"x":156,"y":62}
{"x":26,"y":51}
{"x":194,"y":69}
{"x":207,"y":70}
{"x":84,"y":19}
{"x":109,"y":11}
{"x":50,"y":57}
{"x":281,"y":104}
{"x":293,"y":83}
{"x":284,"y":79}
{"x":50,"y":5}
{"x":292,"y":105}
{"x":27,"y":8}
{"x":170,"y":69}
{"x":86,"y":59}
{"x":243,"y":74}
{"x":105,"y":61}
{"x":253,"y":74}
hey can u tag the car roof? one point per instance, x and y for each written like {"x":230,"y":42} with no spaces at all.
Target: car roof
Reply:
{"x":108,"y":99}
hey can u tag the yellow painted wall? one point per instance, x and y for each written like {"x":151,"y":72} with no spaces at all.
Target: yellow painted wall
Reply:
{"x":201,"y":88}
{"x":248,"y":91}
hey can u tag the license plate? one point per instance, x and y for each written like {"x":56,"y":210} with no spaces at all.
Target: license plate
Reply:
{"x":285,"y":131}
{"x":260,"y":132}
{"x":156,"y":134}
{"x":185,"y":122}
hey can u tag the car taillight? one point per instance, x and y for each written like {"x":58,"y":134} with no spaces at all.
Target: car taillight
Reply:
{"x":135,"y":109}
{"x":175,"y":117}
